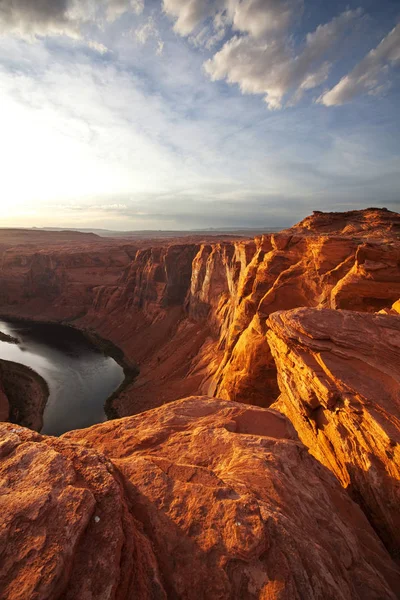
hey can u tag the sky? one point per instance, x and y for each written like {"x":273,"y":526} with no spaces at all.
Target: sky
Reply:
{"x":190,"y":114}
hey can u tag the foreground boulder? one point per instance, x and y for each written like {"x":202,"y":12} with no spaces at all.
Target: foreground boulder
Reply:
{"x":235,"y":507}
{"x":339,"y":373}
{"x":200,"y":499}
{"x":66,"y":530}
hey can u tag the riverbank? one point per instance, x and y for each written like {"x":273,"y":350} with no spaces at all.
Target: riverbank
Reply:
{"x":131,"y":371}
{"x":27,"y":394}
{"x":107,"y":347}
{"x":4,"y":337}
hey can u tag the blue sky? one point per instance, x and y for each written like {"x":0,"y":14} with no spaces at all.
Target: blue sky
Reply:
{"x":173,"y":114}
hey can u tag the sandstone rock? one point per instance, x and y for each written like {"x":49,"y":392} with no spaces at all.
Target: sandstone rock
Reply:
{"x":192,"y":315}
{"x":26,"y":393}
{"x":235,"y":507}
{"x":373,"y":283}
{"x":339,"y":373}
{"x":369,"y":223}
{"x":65,"y":526}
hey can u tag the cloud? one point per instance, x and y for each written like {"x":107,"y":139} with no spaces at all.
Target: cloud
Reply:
{"x":98,"y":47}
{"x":259,"y":54}
{"x":116,"y":8}
{"x":260,"y":17}
{"x":256,"y":17}
{"x":272,"y":68}
{"x":128,"y":140}
{"x":29,"y":18}
{"x":367,"y":76}
{"x":147,"y":31}
{"x":190,"y":13}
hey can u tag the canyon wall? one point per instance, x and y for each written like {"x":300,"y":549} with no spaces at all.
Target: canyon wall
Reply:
{"x":340,"y":379}
{"x":23,"y":395}
{"x":193,"y":316}
{"x":223,"y":499}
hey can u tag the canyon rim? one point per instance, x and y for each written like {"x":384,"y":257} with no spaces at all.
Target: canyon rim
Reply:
{"x":199,"y":300}
{"x":254,"y":454}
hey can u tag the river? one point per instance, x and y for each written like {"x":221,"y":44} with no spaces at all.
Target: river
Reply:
{"x":80,"y":376}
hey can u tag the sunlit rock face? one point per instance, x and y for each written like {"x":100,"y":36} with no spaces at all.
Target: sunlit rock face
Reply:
{"x":207,"y":497}
{"x":339,"y":373}
{"x":66,"y":526}
{"x":334,"y":260}
{"x":199,"y":498}
{"x":193,"y":315}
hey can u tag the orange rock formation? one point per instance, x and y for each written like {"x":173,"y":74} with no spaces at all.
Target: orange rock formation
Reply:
{"x":198,"y":499}
{"x":193,"y":316}
{"x":215,"y":498}
{"x":339,"y":372}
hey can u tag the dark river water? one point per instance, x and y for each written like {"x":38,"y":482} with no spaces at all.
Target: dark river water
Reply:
{"x":80,"y":377}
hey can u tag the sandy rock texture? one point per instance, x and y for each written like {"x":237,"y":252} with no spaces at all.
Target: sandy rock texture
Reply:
{"x":66,"y":530}
{"x":332,"y":260}
{"x":201,"y":498}
{"x":339,"y":373}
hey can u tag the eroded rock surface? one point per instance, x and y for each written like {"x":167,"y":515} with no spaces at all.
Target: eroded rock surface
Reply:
{"x":339,"y":373}
{"x":235,"y":507}
{"x":201,"y":498}
{"x":66,"y":530}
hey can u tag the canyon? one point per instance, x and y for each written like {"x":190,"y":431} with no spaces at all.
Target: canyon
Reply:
{"x":255,"y":454}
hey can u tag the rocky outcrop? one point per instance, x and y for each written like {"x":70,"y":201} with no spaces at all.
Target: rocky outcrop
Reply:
{"x":24,"y":392}
{"x":333,"y":260}
{"x":339,"y":373}
{"x":66,"y":530}
{"x":198,"y":499}
{"x":373,"y":282}
{"x":369,"y":223}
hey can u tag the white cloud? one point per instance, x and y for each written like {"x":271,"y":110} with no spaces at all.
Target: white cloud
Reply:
{"x":147,"y":31}
{"x":367,"y":76}
{"x":116,"y":8}
{"x":190,"y":13}
{"x":256,"y":17}
{"x":98,"y":47}
{"x":272,"y":68}
{"x":259,"y":55}
{"x":260,"y":17}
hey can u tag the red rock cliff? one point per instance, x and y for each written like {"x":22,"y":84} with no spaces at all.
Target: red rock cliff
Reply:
{"x":193,"y":316}
{"x":206,"y":497}
{"x":336,"y":260}
{"x":339,"y":372}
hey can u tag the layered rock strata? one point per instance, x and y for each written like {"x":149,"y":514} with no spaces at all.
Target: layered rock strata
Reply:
{"x":339,"y":373}
{"x":193,"y":315}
